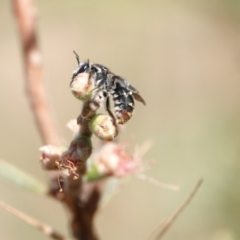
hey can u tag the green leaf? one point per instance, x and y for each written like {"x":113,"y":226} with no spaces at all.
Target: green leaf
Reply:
{"x":92,"y":173}
{"x":12,"y":174}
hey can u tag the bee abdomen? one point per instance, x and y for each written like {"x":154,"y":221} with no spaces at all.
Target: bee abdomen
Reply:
{"x":123,"y":105}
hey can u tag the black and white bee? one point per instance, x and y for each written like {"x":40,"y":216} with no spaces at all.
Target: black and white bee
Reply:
{"x":107,"y":83}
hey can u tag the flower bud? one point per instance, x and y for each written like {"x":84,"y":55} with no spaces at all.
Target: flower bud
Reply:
{"x":50,"y":154}
{"x":81,"y":87}
{"x":104,"y":127}
{"x":73,"y":126}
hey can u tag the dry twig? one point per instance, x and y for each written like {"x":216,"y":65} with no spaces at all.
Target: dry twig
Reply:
{"x":164,"y":226}
{"x":25,"y":13}
{"x":46,"y":229}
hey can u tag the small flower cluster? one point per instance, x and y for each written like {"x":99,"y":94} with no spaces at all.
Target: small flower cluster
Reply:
{"x":112,"y":159}
{"x":71,"y":161}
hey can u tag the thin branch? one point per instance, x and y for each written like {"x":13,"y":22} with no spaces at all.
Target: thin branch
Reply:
{"x":42,"y":227}
{"x":157,"y":183}
{"x":25,"y":14}
{"x":164,"y":227}
{"x":80,"y":197}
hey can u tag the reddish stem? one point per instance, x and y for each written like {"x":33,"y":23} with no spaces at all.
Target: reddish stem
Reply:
{"x":25,"y":13}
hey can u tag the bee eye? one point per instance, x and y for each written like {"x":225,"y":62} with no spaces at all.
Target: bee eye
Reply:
{"x":83,"y":68}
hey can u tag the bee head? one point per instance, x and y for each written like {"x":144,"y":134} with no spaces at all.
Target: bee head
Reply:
{"x":82,"y":67}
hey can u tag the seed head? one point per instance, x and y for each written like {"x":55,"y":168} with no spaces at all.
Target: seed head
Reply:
{"x":104,"y":127}
{"x":81,"y":87}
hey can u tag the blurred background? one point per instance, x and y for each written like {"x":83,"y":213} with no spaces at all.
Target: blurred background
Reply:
{"x":184,"y":58}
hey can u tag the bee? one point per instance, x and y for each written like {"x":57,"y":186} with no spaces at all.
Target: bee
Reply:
{"x":109,"y":84}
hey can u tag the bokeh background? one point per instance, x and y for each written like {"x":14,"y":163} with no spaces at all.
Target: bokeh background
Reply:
{"x":184,"y":57}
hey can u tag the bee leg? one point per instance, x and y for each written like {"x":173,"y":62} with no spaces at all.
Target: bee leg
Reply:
{"x":97,"y":99}
{"x":90,"y":75}
{"x":108,"y":109}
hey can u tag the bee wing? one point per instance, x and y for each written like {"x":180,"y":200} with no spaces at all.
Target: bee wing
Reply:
{"x":136,"y":94}
{"x":138,"y":97}
{"x":130,"y":88}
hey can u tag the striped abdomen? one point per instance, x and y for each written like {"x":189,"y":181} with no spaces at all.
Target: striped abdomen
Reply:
{"x":123,"y":104}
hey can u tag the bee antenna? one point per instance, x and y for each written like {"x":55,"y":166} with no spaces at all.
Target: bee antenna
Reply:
{"x":77,"y":57}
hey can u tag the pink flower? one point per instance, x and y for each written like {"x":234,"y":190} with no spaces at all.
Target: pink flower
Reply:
{"x":114,"y":159}
{"x":50,"y":154}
